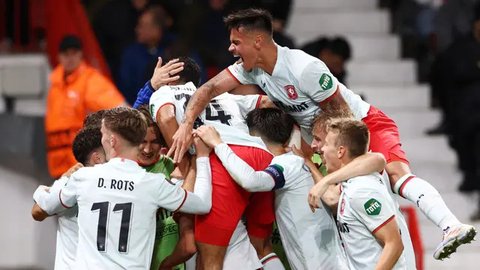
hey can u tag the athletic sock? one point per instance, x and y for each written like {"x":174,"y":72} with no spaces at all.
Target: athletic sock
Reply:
{"x":427,"y":198}
{"x":272,"y":262}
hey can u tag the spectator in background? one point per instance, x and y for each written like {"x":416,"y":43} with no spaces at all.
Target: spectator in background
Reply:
{"x":152,"y":40}
{"x":76,"y":89}
{"x":458,"y":83}
{"x":114,"y":26}
{"x":333,"y":52}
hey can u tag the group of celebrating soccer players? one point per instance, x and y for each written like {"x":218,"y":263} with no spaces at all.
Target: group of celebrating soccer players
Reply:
{"x":240,"y":163}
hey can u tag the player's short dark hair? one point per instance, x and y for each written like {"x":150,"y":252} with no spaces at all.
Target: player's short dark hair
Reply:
{"x":129,"y":123}
{"x":86,"y":141}
{"x":190,"y":72}
{"x":150,"y":123}
{"x":272,"y":124}
{"x":353,"y":134}
{"x":94,"y":119}
{"x":70,"y":42}
{"x":250,"y":19}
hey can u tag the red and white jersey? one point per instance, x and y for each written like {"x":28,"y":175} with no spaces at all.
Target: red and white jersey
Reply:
{"x":225,"y":112}
{"x":298,"y":83}
{"x":310,"y":239}
{"x":364,"y":207}
{"x":117,"y":203}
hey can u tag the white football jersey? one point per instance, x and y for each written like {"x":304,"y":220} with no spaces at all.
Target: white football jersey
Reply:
{"x":364,"y":207}
{"x":117,"y":203}
{"x":67,"y":230}
{"x":298,"y":83}
{"x":408,"y":250}
{"x":310,"y":239}
{"x":225,"y":112}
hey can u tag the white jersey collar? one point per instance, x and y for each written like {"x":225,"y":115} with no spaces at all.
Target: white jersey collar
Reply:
{"x":279,"y":62}
{"x":123,"y":162}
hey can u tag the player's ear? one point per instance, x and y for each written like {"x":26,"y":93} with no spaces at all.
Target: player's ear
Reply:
{"x":341,"y":151}
{"x":112,"y":141}
{"x":258,"y":41}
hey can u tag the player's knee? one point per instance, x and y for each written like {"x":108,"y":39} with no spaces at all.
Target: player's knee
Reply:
{"x":397,"y":170}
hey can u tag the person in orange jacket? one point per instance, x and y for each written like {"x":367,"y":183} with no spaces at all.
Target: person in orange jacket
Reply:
{"x":76,"y":89}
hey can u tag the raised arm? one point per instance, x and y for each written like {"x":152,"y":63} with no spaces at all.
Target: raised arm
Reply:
{"x":198,"y":202}
{"x":168,"y":125}
{"x":219,"y":84}
{"x":162,"y":75}
{"x":362,"y":165}
{"x":243,"y":174}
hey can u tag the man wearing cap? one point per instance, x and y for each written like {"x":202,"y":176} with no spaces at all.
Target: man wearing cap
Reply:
{"x":76,"y":89}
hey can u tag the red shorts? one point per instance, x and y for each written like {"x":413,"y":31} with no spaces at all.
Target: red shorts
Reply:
{"x":229,"y":202}
{"x":384,"y":136}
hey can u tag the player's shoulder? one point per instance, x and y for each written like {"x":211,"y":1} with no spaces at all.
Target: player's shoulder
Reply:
{"x":288,"y":159}
{"x":364,"y":184}
{"x":84,"y":172}
{"x":298,"y":58}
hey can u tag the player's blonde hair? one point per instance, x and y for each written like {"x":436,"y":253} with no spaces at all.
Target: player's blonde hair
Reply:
{"x":352,"y":134}
{"x":324,"y":118}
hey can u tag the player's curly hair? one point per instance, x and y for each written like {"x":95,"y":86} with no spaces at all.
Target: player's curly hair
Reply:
{"x":144,"y":110}
{"x":86,"y":141}
{"x":94,"y":119}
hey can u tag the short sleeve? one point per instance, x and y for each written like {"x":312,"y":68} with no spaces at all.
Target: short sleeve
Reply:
{"x":372,"y":208}
{"x":240,"y":74}
{"x":164,"y":95}
{"x":102,"y":94}
{"x":317,"y":82}
{"x":247,"y":103}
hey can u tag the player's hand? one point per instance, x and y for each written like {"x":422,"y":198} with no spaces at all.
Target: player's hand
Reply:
{"x":201,"y":148}
{"x":72,"y":169}
{"x":315,"y":195}
{"x":209,"y":135}
{"x":182,"y":139}
{"x":163,"y":75}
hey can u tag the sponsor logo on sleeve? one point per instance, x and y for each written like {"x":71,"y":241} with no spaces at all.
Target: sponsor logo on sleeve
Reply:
{"x":326,"y":81}
{"x":373,"y":207}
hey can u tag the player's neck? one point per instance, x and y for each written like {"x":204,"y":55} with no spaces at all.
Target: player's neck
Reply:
{"x":268,"y":58}
{"x":345,"y":161}
{"x":276,"y":149}
{"x":130,"y":153}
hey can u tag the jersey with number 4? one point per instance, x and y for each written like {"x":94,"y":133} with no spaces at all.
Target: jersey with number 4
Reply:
{"x":298,"y":83}
{"x":117,"y":202}
{"x":225,"y":112}
{"x":364,"y":208}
